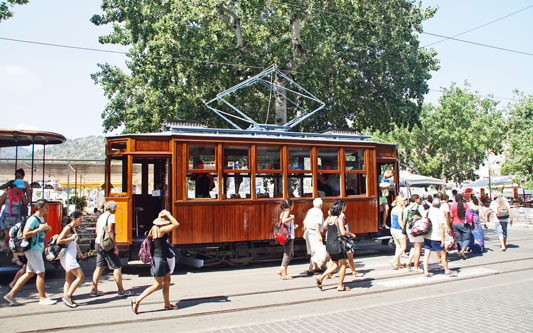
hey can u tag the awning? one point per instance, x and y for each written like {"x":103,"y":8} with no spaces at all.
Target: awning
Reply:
{"x":412,"y":180}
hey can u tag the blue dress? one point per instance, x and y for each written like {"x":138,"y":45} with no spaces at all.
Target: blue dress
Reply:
{"x":477,"y":241}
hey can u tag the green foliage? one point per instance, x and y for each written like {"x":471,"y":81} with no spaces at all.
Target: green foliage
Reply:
{"x":453,"y":138}
{"x":5,"y":8}
{"x":79,"y":202}
{"x":365,"y":64}
{"x":519,"y":142}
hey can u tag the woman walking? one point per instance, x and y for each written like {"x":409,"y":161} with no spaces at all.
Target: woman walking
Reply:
{"x":477,"y":241}
{"x":287,"y":218}
{"x":410,"y":214}
{"x":73,"y":273}
{"x":461,"y":229}
{"x":504,"y":217}
{"x":397,"y":227}
{"x":335,"y":229}
{"x":161,"y":267}
{"x":350,"y":253}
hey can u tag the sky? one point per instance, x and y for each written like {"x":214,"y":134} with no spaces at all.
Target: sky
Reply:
{"x":50,"y":89}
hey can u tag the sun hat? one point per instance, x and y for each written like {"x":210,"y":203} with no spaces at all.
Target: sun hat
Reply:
{"x":19,"y":183}
{"x":161,"y":221}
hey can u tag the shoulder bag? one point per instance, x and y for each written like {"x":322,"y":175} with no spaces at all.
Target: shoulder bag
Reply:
{"x":107,"y":242}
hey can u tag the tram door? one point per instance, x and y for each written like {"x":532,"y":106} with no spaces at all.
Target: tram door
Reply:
{"x":150,"y":192}
{"x":386,"y":175}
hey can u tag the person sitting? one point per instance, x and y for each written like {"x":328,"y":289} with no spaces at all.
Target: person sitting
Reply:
{"x":204,"y":182}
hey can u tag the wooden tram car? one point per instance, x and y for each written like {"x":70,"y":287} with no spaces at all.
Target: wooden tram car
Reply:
{"x":225,"y":186}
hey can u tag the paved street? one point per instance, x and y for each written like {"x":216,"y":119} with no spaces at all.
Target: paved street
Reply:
{"x":490,"y":293}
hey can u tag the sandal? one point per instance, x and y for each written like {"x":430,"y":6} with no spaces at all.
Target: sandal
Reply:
{"x":343,"y":289}
{"x":134,"y":307}
{"x":286,"y":277}
{"x":310,"y":272}
{"x":358,"y":275}
{"x":171,"y":307}
{"x":318,"y":284}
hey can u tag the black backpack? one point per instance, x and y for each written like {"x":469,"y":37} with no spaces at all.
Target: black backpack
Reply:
{"x":17,"y":243}
{"x":503,"y":212}
{"x":411,"y":214}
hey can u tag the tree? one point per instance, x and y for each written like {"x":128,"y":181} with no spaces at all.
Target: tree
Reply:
{"x":5,"y":10}
{"x":519,"y":141}
{"x":365,"y":63}
{"x":453,"y":138}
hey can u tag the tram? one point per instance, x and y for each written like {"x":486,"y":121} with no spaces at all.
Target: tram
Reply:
{"x":224,"y":186}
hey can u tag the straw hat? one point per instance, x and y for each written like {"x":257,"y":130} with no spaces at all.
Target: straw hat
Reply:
{"x":161,"y":221}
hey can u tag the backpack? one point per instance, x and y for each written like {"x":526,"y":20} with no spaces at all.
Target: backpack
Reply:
{"x":503,"y":212}
{"x":411,"y":213}
{"x":147,"y":248}
{"x":17,"y":243}
{"x":54,"y":251}
{"x":281,"y":233}
{"x":421,"y":227}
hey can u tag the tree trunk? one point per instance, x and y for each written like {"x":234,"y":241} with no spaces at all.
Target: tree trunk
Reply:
{"x":281,"y":102}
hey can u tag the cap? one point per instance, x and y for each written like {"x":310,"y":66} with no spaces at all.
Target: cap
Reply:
{"x":161,"y":221}
{"x":19,"y":183}
{"x":468,"y":191}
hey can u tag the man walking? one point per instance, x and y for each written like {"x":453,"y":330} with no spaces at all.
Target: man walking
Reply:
{"x":35,"y":230}
{"x":107,"y":258}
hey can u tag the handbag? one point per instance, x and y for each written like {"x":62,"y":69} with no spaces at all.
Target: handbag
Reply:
{"x":281,"y":233}
{"x":10,"y":221}
{"x":107,"y":242}
{"x":469,"y":215}
{"x":346,"y":242}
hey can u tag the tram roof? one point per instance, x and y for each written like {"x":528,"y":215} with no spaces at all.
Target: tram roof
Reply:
{"x":224,"y":132}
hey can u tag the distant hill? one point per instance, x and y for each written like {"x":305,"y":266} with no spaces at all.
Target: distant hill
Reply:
{"x":88,"y":148}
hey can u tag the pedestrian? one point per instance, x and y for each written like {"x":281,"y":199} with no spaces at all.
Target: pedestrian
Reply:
{"x":36,"y":229}
{"x":73,"y":273}
{"x":477,"y":241}
{"x":161,"y":266}
{"x":350,"y":253}
{"x":461,"y":229}
{"x":397,"y":230}
{"x":335,"y":229}
{"x":15,"y":202}
{"x":314,"y":224}
{"x":434,"y":240}
{"x":411,"y":213}
{"x":107,"y":258}
{"x":287,"y":218}
{"x":503,"y":217}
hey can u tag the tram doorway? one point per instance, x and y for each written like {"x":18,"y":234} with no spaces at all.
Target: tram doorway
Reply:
{"x":150,"y":192}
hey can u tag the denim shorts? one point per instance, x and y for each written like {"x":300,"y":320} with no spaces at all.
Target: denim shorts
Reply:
{"x":501,"y":228}
{"x":433,"y":245}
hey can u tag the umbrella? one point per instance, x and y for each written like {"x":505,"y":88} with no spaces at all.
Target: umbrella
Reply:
{"x":495,"y":181}
{"x":48,"y":187}
{"x":412,"y":180}
{"x":35,"y":185}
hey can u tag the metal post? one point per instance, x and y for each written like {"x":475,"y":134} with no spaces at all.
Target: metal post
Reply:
{"x":490,"y":183}
{"x":16,"y":156}
{"x":44,"y":155}
{"x":68,"y":187}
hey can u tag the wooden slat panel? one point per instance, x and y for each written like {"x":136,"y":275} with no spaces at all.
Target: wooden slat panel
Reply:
{"x":362,"y":216}
{"x":151,"y":145}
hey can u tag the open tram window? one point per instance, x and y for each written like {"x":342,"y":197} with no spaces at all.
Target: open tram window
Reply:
{"x":236,"y":177}
{"x":269,"y":176}
{"x":300,"y":176}
{"x":355,"y":176}
{"x":328,"y":176}
{"x":202,"y":179}
{"x":119,"y":174}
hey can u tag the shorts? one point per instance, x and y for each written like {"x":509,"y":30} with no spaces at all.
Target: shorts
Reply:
{"x":35,"y":261}
{"x":417,"y":239}
{"x":433,"y":245}
{"x":109,"y":258}
{"x":338,"y":256}
{"x":397,"y":233}
{"x":501,"y":228}
{"x":160,"y":267}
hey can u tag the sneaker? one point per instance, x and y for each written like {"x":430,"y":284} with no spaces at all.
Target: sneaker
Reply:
{"x":47,"y":301}
{"x":125,"y":293}
{"x":68,"y":302}
{"x":11,"y":300}
{"x":96,"y":293}
{"x":451,"y":274}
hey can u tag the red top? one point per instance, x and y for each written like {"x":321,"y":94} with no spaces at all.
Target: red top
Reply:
{"x":453,"y":209}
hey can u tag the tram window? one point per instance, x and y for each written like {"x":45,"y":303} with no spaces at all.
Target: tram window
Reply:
{"x":268,"y":158}
{"x":119,"y":175}
{"x":299,"y":159}
{"x":237,"y":186}
{"x":202,"y":185}
{"x":355,"y":183}
{"x":137,"y":178}
{"x":202,"y":157}
{"x":328,"y":184}
{"x":355,"y":159}
{"x":269,"y":185}
{"x":118,"y":146}
{"x":235,"y":158}
{"x":300,"y":184}
{"x":328,"y":159}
